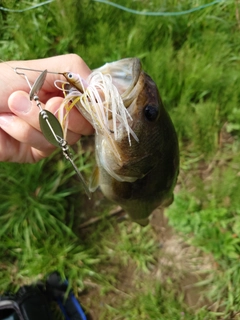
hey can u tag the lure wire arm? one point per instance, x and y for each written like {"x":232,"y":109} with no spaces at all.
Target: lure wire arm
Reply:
{"x":24,"y":75}
{"x":34,"y":70}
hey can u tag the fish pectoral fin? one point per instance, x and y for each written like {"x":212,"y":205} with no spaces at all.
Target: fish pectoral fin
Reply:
{"x":94,"y":180}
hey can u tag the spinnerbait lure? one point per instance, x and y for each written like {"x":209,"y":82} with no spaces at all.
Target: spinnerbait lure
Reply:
{"x":49,"y":124}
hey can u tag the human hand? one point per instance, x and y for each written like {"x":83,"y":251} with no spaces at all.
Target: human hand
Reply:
{"x":21,"y":139}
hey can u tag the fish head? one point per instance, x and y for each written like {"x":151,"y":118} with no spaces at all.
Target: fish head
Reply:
{"x":122,"y":158}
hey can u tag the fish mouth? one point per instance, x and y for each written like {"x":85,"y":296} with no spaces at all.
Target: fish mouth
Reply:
{"x":125,"y":74}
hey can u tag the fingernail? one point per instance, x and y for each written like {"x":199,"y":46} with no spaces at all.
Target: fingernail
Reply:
{"x":22,"y":104}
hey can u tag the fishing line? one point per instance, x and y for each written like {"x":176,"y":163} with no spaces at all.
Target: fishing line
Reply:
{"x":113,"y":4}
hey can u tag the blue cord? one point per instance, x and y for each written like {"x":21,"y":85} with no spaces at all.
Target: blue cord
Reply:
{"x":144,"y":13}
{"x":78,"y":307}
{"x":28,"y":8}
{"x":76,"y":304}
{"x":59,"y":302}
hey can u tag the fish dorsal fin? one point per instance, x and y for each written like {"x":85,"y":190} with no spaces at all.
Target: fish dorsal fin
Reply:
{"x":94,"y":180}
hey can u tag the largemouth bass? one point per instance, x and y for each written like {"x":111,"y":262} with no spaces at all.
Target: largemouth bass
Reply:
{"x":137,"y":151}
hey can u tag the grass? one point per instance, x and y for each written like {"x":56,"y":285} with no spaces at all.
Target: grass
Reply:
{"x":194,"y":59}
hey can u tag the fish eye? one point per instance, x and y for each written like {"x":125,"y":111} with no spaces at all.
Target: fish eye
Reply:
{"x":70,"y":75}
{"x":151,"y":112}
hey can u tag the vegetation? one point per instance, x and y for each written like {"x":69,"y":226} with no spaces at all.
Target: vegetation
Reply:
{"x":194,"y":59}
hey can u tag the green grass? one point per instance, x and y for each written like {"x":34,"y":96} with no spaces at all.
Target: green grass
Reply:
{"x":194,"y":59}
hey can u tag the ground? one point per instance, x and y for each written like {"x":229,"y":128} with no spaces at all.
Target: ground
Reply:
{"x":184,"y":264}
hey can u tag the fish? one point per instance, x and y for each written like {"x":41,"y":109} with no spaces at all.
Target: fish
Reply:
{"x":136,"y":145}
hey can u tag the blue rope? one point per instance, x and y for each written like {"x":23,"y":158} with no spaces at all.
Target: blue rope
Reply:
{"x":147,"y":13}
{"x":144,"y":13}
{"x":78,"y":307}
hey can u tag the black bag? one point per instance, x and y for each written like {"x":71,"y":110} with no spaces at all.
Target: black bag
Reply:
{"x":29,"y":303}
{"x":33,"y":302}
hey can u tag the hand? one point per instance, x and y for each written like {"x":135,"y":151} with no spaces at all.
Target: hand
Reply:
{"x":21,"y":139}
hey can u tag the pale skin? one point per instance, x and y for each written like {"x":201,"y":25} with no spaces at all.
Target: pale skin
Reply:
{"x":21,"y":139}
